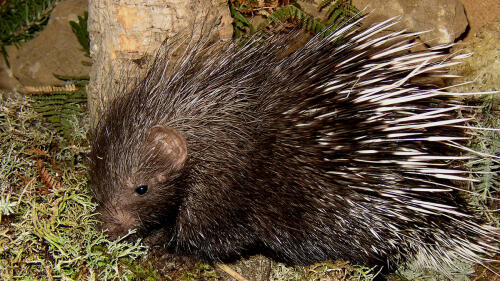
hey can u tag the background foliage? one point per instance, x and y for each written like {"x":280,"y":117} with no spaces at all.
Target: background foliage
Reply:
{"x":288,"y":14}
{"x":21,"y":20}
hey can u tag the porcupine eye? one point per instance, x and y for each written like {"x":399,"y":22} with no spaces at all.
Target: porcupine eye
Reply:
{"x":142,"y":189}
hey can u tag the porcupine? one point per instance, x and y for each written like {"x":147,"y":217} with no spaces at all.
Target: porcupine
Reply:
{"x":334,"y":151}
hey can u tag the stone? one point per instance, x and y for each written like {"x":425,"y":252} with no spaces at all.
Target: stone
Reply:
{"x":444,"y":20}
{"x":480,"y":13}
{"x":481,"y":71}
{"x":8,"y":83}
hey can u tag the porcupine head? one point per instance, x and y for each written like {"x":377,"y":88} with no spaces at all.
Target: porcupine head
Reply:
{"x":171,"y":140}
{"x":153,"y":163}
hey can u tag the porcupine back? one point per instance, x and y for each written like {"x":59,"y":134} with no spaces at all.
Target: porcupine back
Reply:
{"x":331,"y":152}
{"x":369,"y":158}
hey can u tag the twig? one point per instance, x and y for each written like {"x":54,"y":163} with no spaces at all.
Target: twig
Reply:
{"x":231,"y":272}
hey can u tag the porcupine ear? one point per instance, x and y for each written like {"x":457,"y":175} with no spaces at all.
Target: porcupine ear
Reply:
{"x":169,"y":144}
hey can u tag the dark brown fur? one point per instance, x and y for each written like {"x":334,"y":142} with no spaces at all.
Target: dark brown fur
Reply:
{"x":248,"y":152}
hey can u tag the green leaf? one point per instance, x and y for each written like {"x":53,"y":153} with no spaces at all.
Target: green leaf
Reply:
{"x":21,"y":20}
{"x":324,"y":3}
{"x":80,"y":30}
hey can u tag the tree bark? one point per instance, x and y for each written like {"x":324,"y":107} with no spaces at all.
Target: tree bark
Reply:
{"x":125,"y":33}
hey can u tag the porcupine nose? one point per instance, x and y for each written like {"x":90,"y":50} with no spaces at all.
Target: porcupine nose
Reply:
{"x":115,"y":222}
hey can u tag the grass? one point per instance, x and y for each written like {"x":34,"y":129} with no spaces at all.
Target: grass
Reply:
{"x":47,"y":231}
{"x":486,"y":168}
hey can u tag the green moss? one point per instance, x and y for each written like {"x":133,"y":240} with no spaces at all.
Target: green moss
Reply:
{"x":48,"y":233}
{"x":328,"y":270}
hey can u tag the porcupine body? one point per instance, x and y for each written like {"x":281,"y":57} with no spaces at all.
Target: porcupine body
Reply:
{"x":331,"y":152}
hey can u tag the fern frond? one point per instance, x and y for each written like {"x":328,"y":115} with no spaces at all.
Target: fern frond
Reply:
{"x":240,"y":23}
{"x":291,"y":12}
{"x":80,"y":30}
{"x":49,"y":89}
{"x":339,"y":12}
{"x":60,"y":105}
{"x":324,"y":4}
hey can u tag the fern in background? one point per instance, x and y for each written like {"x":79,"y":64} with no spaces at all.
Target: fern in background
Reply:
{"x":80,"y":30}
{"x":64,"y":106}
{"x":21,"y":20}
{"x":338,"y":12}
{"x":241,"y":25}
{"x":289,"y":12}
{"x":61,"y":106}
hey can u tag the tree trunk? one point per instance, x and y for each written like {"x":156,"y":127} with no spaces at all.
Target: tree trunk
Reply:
{"x":125,"y":33}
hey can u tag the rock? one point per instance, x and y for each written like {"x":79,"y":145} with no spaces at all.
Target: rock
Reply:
{"x":8,"y":83}
{"x":445,"y":19}
{"x":482,"y":69}
{"x":480,"y":13}
{"x":54,"y":51}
